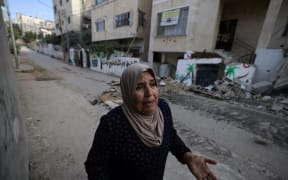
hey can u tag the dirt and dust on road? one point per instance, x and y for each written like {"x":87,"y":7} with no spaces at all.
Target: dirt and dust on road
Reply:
{"x":248,"y":142}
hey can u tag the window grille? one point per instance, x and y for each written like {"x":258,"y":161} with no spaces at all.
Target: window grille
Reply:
{"x":122,"y":20}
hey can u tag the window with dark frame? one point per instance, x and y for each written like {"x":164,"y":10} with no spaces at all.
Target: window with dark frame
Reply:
{"x":175,"y":29}
{"x":55,"y":9}
{"x":142,"y":18}
{"x":60,"y":2}
{"x":100,"y":25}
{"x":68,"y":20}
{"x":122,"y":20}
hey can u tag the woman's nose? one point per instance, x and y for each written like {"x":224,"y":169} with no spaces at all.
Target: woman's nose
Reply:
{"x":148,"y":91}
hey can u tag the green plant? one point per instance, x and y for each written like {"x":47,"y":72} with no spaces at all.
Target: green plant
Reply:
{"x":29,"y":37}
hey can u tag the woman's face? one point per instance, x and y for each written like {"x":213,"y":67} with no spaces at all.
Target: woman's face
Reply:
{"x":146,"y":94}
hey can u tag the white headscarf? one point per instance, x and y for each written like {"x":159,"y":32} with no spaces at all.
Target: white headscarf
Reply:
{"x":149,"y":128}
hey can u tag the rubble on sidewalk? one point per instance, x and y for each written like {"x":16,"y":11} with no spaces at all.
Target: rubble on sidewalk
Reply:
{"x":110,"y":97}
{"x":232,"y":90}
{"x":225,"y":89}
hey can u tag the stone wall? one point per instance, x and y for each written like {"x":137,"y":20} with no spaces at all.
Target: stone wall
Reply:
{"x":13,"y":145}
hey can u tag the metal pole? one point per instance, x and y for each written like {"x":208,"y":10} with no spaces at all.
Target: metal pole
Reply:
{"x":12,"y":35}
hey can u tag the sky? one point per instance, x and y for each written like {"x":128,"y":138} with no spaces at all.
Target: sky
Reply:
{"x":35,"y":8}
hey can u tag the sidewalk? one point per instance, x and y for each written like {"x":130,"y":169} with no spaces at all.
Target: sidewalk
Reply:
{"x":58,"y":122}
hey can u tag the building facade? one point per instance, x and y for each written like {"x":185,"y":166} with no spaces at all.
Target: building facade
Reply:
{"x":29,"y":23}
{"x":238,"y":28}
{"x":126,"y":22}
{"x":48,"y":28}
{"x":179,"y":26}
{"x":69,"y":15}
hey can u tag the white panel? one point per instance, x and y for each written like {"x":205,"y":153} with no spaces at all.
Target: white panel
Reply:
{"x":266,"y":62}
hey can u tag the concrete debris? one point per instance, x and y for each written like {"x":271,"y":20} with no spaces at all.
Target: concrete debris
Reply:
{"x":280,"y":105}
{"x":94,"y":102}
{"x":260,"y":107}
{"x":114,"y":83}
{"x":284,"y":101}
{"x":111,"y":104}
{"x":162,"y":83}
{"x":261,"y":141}
{"x":225,"y":89}
{"x":222,"y":89}
{"x":262,"y":87}
{"x":267,"y":98}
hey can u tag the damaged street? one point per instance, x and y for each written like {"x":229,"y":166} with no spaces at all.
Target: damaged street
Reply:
{"x":62,"y":105}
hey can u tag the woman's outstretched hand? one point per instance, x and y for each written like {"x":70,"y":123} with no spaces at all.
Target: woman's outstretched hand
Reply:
{"x":198,"y":166}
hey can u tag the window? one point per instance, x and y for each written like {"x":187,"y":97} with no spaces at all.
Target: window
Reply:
{"x":67,"y":0}
{"x":122,"y":20}
{"x":142,"y":18}
{"x":60,"y":2}
{"x":68,"y":20}
{"x":175,"y":22}
{"x":100,"y":25}
{"x":99,"y":1}
{"x":55,"y":9}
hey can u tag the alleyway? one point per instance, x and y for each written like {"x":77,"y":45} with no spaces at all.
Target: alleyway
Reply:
{"x":61,"y":123}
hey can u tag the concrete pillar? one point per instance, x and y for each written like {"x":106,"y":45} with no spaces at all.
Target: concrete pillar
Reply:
{"x":269,"y":23}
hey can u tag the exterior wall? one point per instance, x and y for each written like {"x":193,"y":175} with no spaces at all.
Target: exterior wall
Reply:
{"x":138,"y":35}
{"x":107,"y":11}
{"x":71,"y":9}
{"x":75,"y":15}
{"x":250,"y":16}
{"x":272,"y":42}
{"x":146,"y":6}
{"x":113,"y":66}
{"x":28,"y":23}
{"x":13,"y":145}
{"x":202,"y":27}
{"x":277,"y":38}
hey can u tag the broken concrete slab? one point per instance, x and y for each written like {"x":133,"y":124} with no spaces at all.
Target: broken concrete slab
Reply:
{"x":262,"y":87}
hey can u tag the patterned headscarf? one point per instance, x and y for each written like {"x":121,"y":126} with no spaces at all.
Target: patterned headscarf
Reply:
{"x":149,"y":128}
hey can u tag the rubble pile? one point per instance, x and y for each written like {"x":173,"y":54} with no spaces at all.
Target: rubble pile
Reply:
{"x":110,"y":97}
{"x":225,"y":89}
{"x":232,"y":90}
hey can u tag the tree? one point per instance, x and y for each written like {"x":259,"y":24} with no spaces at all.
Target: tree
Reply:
{"x":29,"y":37}
{"x":53,"y":39}
{"x":16,"y":29}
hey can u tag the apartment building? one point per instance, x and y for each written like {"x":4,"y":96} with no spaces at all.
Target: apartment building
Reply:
{"x":48,"y":28}
{"x":71,"y":15}
{"x":125,"y":22}
{"x":29,"y":23}
{"x":240,"y":27}
{"x":179,"y":26}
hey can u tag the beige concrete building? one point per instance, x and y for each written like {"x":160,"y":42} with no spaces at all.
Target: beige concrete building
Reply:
{"x":235,"y":27}
{"x":69,"y":15}
{"x":126,"y":22}
{"x":29,"y":23}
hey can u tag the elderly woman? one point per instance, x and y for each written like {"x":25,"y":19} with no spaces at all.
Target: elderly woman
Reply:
{"x":133,"y":140}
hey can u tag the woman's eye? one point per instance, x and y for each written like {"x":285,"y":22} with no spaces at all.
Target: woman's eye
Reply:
{"x":152,"y":84}
{"x":139,"y":87}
